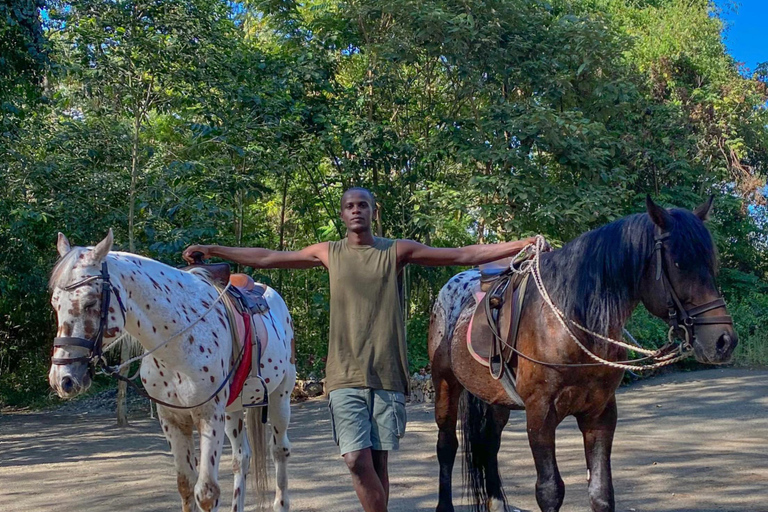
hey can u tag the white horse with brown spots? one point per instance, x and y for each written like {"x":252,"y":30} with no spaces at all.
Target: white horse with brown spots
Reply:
{"x":184,"y":370}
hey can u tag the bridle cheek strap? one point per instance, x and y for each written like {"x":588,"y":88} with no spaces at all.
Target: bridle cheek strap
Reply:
{"x":678,"y":316}
{"x":95,"y":345}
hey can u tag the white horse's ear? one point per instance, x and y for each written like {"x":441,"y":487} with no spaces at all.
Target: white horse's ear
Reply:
{"x":101,"y":250}
{"x":62,"y":245}
{"x":705,"y":209}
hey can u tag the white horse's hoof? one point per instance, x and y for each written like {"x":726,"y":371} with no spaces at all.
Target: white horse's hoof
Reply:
{"x":281,"y":505}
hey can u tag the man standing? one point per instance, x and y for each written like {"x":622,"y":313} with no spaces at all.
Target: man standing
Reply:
{"x":367,"y":367}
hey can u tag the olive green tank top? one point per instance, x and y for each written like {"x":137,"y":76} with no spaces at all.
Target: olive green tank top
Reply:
{"x":366,"y":346}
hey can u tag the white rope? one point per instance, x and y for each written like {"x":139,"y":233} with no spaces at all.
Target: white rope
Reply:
{"x":187,"y":328}
{"x":533,"y":266}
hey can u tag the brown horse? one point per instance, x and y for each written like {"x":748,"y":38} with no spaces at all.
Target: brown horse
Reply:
{"x":595,"y":280}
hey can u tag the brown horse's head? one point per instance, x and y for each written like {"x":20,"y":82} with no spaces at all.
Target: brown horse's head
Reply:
{"x":679,"y":284}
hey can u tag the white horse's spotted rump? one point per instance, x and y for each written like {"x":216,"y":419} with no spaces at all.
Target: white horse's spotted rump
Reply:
{"x":453,"y":298}
{"x":160,"y":302}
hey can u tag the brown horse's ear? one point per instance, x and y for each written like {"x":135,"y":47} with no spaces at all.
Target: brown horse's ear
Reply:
{"x":704,"y":209}
{"x":103,"y":247}
{"x":659,"y":215}
{"x":62,"y":245}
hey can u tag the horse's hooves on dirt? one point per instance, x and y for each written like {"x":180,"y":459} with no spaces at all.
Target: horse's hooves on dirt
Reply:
{"x":208,"y":496}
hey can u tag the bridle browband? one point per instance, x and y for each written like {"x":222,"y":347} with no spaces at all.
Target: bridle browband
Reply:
{"x":681,"y":319}
{"x":94,"y":346}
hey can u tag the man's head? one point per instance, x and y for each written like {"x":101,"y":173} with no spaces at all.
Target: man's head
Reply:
{"x":357,"y":209}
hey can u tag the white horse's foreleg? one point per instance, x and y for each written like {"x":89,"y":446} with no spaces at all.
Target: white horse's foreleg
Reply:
{"x":241,"y":457}
{"x":280,"y":416}
{"x":211,"y":430}
{"x":178,"y":432}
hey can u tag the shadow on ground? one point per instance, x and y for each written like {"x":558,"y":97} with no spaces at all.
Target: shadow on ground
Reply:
{"x":685,"y":442}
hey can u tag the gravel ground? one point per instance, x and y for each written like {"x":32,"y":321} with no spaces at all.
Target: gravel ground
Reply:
{"x":685,"y":442}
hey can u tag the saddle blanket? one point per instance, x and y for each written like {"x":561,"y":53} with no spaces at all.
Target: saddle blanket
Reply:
{"x":247,"y":388}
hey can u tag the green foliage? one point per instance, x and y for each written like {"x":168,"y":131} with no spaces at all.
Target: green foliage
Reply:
{"x":749,"y":306}
{"x":23,"y":57}
{"x":240,"y":124}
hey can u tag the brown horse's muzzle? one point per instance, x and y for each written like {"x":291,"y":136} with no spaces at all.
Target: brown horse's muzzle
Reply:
{"x":714,"y":345}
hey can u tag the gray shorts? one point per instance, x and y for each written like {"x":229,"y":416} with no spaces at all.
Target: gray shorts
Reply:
{"x":367,"y":418}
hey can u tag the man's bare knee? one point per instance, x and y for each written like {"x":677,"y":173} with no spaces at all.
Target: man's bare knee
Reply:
{"x":359,"y":461}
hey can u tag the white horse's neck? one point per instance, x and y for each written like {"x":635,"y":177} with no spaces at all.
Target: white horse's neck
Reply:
{"x":160,"y":300}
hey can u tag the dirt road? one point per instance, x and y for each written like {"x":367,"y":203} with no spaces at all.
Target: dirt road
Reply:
{"x":685,"y":442}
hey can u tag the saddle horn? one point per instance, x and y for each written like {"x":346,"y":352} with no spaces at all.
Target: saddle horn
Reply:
{"x":197,"y":258}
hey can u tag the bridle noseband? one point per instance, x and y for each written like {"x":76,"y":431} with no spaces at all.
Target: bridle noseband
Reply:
{"x":681,"y":319}
{"x":94,"y":346}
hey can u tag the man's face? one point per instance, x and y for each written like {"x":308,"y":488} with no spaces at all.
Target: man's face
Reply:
{"x":357,"y":211}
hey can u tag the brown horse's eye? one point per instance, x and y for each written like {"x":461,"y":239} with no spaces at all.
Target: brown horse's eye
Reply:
{"x":677,"y":264}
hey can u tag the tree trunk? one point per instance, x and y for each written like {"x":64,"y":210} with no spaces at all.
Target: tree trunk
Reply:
{"x":281,"y":247}
{"x":122,"y":387}
{"x":240,"y":208}
{"x":282,"y":212}
{"x":122,"y":406}
{"x":379,"y":226}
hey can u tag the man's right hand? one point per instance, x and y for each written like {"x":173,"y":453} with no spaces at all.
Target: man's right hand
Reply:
{"x":205,"y":250}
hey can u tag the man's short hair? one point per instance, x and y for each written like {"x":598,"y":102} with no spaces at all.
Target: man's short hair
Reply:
{"x":359,"y":189}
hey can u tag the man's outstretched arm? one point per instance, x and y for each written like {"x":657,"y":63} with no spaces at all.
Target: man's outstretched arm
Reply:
{"x":409,"y":251}
{"x":312,"y":256}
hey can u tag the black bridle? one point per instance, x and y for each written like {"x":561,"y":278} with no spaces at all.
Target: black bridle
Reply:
{"x":95,"y":355}
{"x":680,"y":319}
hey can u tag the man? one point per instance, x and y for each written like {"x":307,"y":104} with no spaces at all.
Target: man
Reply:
{"x":367,"y":368}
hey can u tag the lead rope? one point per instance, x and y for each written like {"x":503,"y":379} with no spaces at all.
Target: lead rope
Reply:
{"x":533,"y":266}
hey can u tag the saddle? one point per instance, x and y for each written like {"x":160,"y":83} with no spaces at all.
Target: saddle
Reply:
{"x":246,"y":306}
{"x":490,"y":272}
{"x":493,"y":329}
{"x":249,"y":294}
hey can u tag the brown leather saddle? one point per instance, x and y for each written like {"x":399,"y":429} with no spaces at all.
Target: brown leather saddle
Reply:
{"x":495,"y":324}
{"x":247,"y":294}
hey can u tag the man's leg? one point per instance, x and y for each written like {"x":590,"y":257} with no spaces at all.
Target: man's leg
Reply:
{"x":351,"y":410}
{"x":366,"y":479}
{"x":380,"y":458}
{"x":387,"y":427}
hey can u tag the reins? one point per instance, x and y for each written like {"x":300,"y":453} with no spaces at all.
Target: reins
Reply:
{"x":140,"y":390}
{"x":663,"y":356}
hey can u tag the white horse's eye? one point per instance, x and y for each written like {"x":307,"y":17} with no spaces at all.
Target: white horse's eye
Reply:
{"x":91,"y":304}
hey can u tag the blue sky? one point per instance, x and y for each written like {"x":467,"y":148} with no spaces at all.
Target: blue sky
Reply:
{"x":747,"y":34}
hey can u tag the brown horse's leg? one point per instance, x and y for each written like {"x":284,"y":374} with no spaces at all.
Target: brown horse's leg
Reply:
{"x":447,"y":391}
{"x":542,"y":421}
{"x":598,"y":439}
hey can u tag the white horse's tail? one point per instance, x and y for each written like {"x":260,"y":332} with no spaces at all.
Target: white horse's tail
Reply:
{"x":257,"y":438}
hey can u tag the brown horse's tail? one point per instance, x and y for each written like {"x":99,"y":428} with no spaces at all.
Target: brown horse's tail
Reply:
{"x":480,"y":441}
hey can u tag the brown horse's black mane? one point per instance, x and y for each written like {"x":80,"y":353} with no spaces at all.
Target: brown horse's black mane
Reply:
{"x":596,"y":277}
